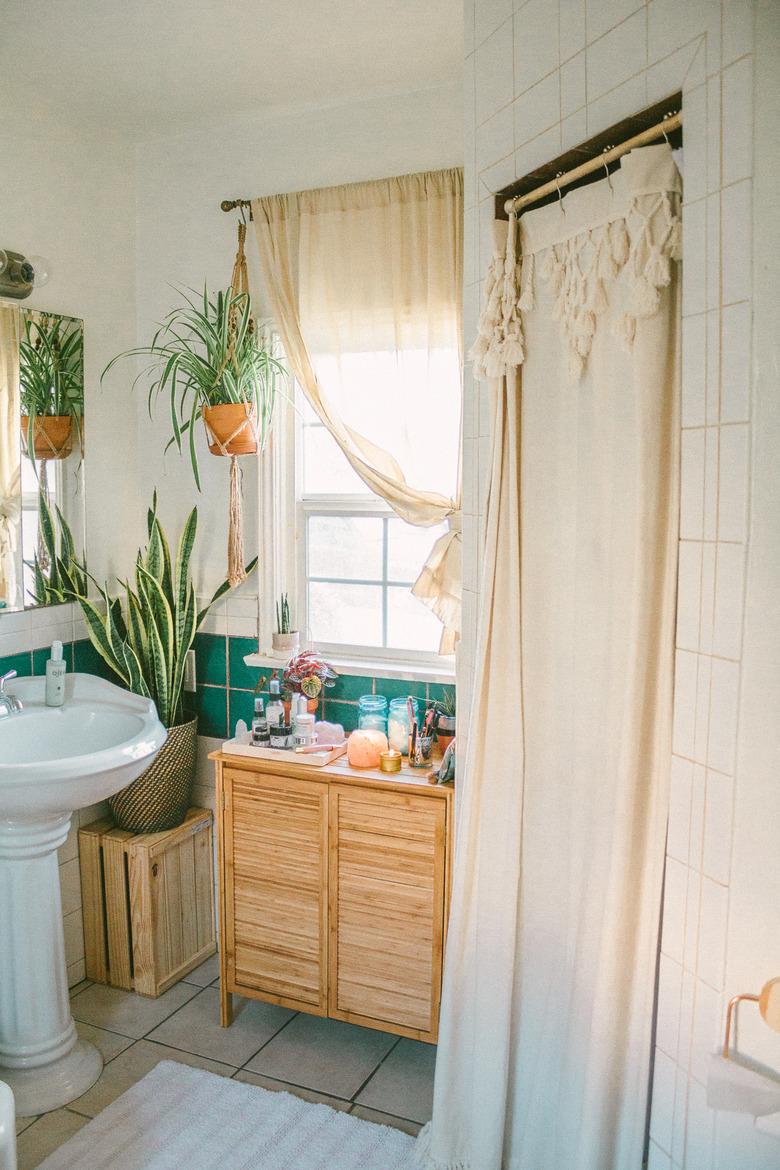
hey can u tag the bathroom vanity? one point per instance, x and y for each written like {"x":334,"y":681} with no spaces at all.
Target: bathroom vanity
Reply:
{"x":334,"y":890}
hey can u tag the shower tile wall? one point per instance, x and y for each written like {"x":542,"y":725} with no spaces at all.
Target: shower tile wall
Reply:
{"x":540,"y":77}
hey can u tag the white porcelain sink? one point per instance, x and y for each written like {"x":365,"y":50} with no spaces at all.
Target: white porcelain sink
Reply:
{"x":53,"y":760}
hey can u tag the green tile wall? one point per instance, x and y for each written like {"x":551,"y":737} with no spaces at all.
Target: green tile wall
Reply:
{"x":225,"y":685}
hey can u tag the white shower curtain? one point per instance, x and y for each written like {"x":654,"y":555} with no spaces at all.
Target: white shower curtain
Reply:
{"x":10,"y":455}
{"x":546,"y":1023}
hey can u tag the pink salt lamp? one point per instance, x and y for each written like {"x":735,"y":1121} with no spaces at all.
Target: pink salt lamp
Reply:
{"x":364,"y":748}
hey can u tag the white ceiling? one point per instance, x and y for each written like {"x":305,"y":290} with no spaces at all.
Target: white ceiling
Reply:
{"x":144,"y":68}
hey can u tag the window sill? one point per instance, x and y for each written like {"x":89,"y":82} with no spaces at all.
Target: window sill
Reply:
{"x":375,"y":668}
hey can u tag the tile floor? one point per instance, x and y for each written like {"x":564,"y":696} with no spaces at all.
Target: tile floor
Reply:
{"x":374,"y":1075}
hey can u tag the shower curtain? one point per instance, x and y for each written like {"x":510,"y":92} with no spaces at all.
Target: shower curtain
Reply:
{"x":544,"y":1050}
{"x":10,"y":455}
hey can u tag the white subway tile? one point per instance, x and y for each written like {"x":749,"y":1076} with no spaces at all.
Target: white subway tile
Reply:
{"x":713,"y":331}
{"x":735,"y":363}
{"x":14,"y":643}
{"x":539,"y":150}
{"x":70,"y":886}
{"x":712,"y":933}
{"x":713,"y":133}
{"x":500,"y":175}
{"x":707,"y":1031}
{"x":713,"y":251}
{"x":733,"y":482}
{"x":537,"y":109}
{"x":692,"y":908}
{"x":707,"y":598}
{"x":574,"y":129}
{"x":699,"y":1130}
{"x":688,"y":594}
{"x":737,"y":133}
{"x":603,"y":15}
{"x":469,"y":17}
{"x":495,"y":139}
{"x":695,"y":165}
{"x":73,"y":928}
{"x":617,"y":103}
{"x":694,"y":370}
{"x":668,"y":1015}
{"x":572,"y":30}
{"x":687,"y":999}
{"x":692,"y":485}
{"x":494,"y":74}
{"x":15,"y":622}
{"x":694,"y":258}
{"x":619,"y":55}
{"x":662,"y":1110}
{"x":70,"y":848}
{"x":680,"y":1115}
{"x":737,"y":29}
{"x":77,"y":972}
{"x":702,"y":708}
{"x":675,"y":891}
{"x":573,"y":85}
{"x":711,"y":469}
{"x":486,"y":244}
{"x":718,"y":827}
{"x":536,"y":43}
{"x":729,"y":595}
{"x":679,"y":832}
{"x":682,"y":68}
{"x":736,"y":208}
{"x":670,"y":24}
{"x":696,"y":837}
{"x":684,"y":703}
{"x":489,"y":14}
{"x":724,"y":699}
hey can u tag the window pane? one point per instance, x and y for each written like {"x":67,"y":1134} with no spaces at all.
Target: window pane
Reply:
{"x":350,"y":614}
{"x":408,"y":549}
{"x":325,"y":468}
{"x":410,"y":624}
{"x":345,"y":546}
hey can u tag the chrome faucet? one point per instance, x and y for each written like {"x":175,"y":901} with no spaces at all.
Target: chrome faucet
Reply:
{"x":9,"y":704}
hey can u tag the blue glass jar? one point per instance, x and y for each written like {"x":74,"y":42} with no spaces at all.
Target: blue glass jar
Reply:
{"x":399,"y":726}
{"x":372,"y":713}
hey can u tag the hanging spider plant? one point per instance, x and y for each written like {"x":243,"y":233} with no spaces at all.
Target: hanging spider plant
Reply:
{"x":51,"y":383}
{"x":207,"y":354}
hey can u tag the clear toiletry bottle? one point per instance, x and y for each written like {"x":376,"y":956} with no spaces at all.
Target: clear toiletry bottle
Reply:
{"x":55,"y":677}
{"x":260,"y":734}
{"x":274,"y":712}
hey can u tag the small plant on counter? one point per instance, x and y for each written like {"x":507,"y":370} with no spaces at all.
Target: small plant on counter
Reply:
{"x":307,"y":674}
{"x":283,"y":615}
{"x":445,"y":718}
{"x":285,"y":639}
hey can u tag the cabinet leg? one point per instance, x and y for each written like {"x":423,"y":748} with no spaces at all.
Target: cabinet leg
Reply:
{"x":225,"y":1006}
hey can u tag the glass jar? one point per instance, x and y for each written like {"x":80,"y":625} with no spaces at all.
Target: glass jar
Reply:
{"x":372,"y":713}
{"x":399,"y":726}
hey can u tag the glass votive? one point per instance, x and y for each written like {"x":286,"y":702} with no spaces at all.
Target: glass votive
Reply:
{"x":390,"y":761}
{"x":399,"y":726}
{"x":372,"y":713}
{"x":420,"y":756}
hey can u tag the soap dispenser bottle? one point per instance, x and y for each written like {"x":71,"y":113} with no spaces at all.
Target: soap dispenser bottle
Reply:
{"x":55,"y":677}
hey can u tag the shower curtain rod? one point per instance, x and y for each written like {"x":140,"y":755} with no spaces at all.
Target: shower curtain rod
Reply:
{"x":670,"y":123}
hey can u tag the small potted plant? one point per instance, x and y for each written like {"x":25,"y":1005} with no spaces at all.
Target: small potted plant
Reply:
{"x":51,"y":385}
{"x":285,"y":639}
{"x":307,"y":674}
{"x":445,"y":719}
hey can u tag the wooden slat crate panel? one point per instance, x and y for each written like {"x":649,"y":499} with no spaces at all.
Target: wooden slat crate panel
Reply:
{"x":277,"y":888}
{"x":149,"y":901}
{"x":387,"y":896}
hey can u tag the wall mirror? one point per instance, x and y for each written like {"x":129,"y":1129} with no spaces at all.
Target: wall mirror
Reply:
{"x":42,"y":441}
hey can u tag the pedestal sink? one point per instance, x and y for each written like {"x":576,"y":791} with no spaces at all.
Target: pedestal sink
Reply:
{"x":53,"y":760}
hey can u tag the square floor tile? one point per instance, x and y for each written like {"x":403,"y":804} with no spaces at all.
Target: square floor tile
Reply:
{"x":130,"y":1066}
{"x":250,"y":1078}
{"x":124,"y":1011}
{"x":403,"y":1084}
{"x":45,"y":1135}
{"x":108,"y":1044}
{"x":205,"y":974}
{"x":196,"y":1028}
{"x":23,"y":1123}
{"x":326,"y":1055}
{"x":410,"y":1127}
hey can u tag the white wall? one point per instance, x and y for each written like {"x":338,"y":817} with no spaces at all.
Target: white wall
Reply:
{"x":542,"y":76}
{"x":184,"y":238}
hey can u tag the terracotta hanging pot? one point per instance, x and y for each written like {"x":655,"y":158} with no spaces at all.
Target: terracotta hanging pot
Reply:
{"x":52,"y":435}
{"x":231,"y":428}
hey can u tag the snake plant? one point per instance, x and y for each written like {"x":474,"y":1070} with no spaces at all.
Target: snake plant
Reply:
{"x":65,"y":576}
{"x":207,"y":353}
{"x":145,"y":634}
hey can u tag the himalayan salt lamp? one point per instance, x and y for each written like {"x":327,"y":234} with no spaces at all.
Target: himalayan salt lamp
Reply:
{"x":364,"y":748}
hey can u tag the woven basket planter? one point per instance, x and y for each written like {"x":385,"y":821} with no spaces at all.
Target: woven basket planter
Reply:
{"x":161,"y":795}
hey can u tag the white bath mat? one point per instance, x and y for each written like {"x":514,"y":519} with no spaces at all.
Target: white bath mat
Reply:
{"x":181,"y":1118}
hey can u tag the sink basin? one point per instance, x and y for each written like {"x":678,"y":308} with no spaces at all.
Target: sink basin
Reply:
{"x":53,"y":760}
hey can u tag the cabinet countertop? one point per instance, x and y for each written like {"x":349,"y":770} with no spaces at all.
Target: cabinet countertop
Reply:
{"x":411,"y":779}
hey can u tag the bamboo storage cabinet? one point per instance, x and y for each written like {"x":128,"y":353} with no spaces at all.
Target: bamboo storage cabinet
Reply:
{"x":148,"y":902}
{"x":334,"y":888}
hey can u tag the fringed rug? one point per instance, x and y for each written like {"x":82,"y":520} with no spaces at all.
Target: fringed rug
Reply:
{"x":181,"y":1118}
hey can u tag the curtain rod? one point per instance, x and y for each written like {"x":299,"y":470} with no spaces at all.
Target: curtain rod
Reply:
{"x":670,"y":123}
{"x":232,"y":204}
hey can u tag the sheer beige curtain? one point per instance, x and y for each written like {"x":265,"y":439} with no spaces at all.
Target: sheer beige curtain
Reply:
{"x":10,"y":455}
{"x":376,"y":269}
{"x":547,"y":1014}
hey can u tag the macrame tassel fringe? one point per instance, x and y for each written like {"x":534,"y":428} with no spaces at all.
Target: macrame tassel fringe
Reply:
{"x":236,"y":571}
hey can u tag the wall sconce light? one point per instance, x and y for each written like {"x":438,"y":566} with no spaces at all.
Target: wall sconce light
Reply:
{"x":19,"y":274}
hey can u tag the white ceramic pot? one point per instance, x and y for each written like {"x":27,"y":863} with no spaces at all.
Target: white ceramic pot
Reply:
{"x":286,"y":645}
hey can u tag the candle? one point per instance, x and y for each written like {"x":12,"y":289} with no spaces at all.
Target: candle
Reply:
{"x":390,"y":761}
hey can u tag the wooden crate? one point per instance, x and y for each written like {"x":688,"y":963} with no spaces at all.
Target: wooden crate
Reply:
{"x":148,"y":902}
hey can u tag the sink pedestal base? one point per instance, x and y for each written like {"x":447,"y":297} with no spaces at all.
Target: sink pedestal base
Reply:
{"x":41,"y":1056}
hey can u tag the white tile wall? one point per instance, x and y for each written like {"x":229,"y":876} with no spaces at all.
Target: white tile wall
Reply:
{"x":573,"y":76}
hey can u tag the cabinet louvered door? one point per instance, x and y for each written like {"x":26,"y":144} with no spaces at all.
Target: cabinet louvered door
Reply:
{"x":387,"y":894}
{"x":276,"y":872}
